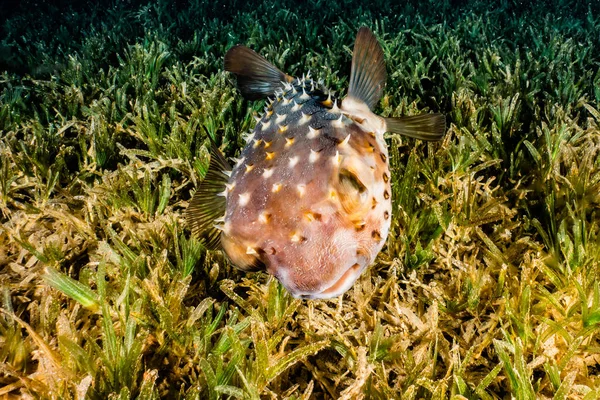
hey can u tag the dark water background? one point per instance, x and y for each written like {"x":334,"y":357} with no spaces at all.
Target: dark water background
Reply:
{"x":37,"y":36}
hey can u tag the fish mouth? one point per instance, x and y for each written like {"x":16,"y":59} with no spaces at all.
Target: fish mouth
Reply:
{"x":338,"y":287}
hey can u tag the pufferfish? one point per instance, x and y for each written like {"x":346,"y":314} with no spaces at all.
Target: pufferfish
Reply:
{"x":309,"y":197}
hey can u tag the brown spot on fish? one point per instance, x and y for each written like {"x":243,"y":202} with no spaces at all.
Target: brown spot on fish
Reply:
{"x":359,"y":225}
{"x":270,"y":155}
{"x":383,"y":157}
{"x":386,"y":214}
{"x":276,"y":187}
{"x":361,"y":252}
{"x":289,"y":142}
{"x":267,"y":144}
{"x":297,"y":238}
{"x":264,"y":217}
{"x":374,"y":203}
{"x":249,"y":167}
{"x":376,"y":235}
{"x":257,"y":143}
{"x":312,"y":216}
{"x":386,"y":195}
{"x":386,"y":178}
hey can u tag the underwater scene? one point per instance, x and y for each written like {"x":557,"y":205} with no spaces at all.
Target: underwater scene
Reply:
{"x":300,"y":200}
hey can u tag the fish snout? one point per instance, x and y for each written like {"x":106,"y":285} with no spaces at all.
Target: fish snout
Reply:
{"x":329,"y":274}
{"x":312,"y":287}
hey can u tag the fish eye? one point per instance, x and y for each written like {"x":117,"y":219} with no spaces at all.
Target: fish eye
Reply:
{"x":349,"y":180}
{"x":353,"y":193}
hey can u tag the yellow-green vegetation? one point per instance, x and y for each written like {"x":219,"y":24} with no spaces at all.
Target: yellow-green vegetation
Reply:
{"x":488,"y":286}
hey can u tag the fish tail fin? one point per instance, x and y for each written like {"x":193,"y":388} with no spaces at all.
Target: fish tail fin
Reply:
{"x":368,"y":75}
{"x":430,"y":127}
{"x":256,"y":77}
{"x":208,"y":203}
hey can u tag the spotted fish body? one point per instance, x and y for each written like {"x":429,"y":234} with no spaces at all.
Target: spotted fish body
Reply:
{"x":308,"y":199}
{"x":310,"y":195}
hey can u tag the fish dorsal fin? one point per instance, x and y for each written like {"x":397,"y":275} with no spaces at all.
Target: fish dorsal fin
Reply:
{"x":256,"y":77}
{"x":368,"y":75}
{"x":208,"y":203}
{"x":430,"y":127}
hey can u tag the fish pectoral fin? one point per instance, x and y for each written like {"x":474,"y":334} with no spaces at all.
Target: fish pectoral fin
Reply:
{"x":208,"y":204}
{"x":428,"y":127}
{"x":368,"y":75}
{"x":256,"y":77}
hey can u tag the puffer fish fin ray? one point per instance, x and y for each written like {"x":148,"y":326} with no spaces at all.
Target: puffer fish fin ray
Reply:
{"x":429,"y":127}
{"x":256,"y":77}
{"x":368,"y":74}
{"x":207,"y":206}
